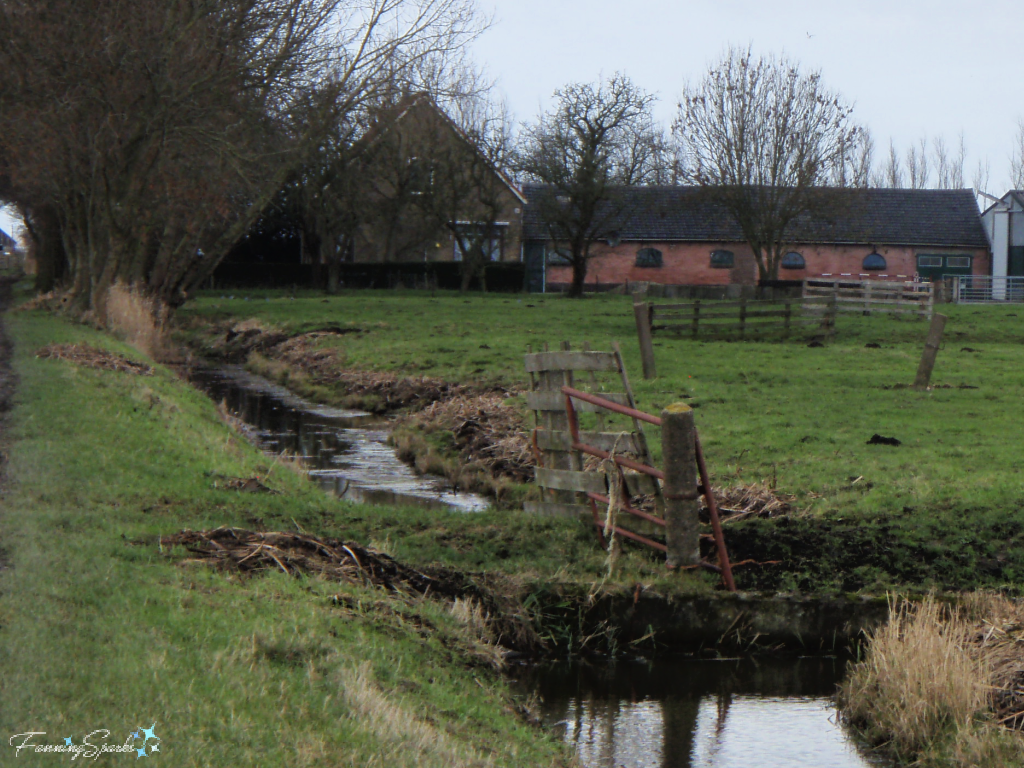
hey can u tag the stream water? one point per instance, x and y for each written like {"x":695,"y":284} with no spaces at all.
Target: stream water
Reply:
{"x":669,"y":713}
{"x":345,"y":451}
{"x":694,"y":713}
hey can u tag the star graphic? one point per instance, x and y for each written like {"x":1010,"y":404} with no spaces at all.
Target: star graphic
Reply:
{"x":67,"y":740}
{"x":149,"y":732}
{"x":155,"y":747}
{"x":135,"y":735}
{"x":141,"y":751}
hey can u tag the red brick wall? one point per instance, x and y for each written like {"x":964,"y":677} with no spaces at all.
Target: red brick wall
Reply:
{"x":690,"y":263}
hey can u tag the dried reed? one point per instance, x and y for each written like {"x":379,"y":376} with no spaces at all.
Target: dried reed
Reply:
{"x":919,"y":684}
{"x":138,"y":319}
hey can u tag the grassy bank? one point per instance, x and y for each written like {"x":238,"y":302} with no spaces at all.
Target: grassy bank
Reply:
{"x":941,"y":509}
{"x":100,"y":628}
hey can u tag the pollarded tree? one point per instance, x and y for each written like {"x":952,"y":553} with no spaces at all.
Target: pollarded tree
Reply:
{"x":760,"y":135}
{"x":156,"y":131}
{"x":598,"y":140}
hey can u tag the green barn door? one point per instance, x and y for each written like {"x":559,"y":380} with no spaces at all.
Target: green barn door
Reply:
{"x":934,"y":266}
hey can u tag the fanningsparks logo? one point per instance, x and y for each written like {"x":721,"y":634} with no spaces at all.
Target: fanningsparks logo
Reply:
{"x":142,"y":742}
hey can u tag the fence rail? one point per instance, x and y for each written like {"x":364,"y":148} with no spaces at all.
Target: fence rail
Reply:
{"x":987,"y":289}
{"x":741,"y":317}
{"x":870,"y":296}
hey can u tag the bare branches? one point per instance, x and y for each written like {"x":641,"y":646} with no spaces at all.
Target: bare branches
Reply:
{"x":156,"y":131}
{"x":759,"y":134}
{"x":599,"y":138}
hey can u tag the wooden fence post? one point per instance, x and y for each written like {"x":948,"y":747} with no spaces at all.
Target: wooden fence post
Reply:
{"x":642,"y":311}
{"x":743,"y":317}
{"x":931,"y":349}
{"x":696,"y":317}
{"x":678,"y":450}
{"x":788,"y":317}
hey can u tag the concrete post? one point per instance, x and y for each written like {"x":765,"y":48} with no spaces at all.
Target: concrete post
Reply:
{"x":681,"y":507}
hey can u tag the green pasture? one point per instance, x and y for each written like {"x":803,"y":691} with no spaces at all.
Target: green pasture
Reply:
{"x":796,"y":416}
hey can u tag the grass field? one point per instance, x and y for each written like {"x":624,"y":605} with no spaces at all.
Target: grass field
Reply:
{"x":942,"y":508}
{"x":102,"y":629}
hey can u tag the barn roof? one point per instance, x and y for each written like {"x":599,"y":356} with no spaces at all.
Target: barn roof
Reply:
{"x":922,"y":217}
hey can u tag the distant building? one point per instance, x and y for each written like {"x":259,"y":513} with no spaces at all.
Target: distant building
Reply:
{"x":676,"y":236}
{"x":1003,"y":222}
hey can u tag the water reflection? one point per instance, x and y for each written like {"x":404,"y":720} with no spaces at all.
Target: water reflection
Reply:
{"x":690,"y":713}
{"x":346,"y":451}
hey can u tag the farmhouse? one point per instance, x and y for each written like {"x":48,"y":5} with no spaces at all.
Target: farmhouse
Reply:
{"x":676,"y":236}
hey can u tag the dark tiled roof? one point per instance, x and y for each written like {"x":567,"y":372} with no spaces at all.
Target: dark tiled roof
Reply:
{"x":931,"y":217}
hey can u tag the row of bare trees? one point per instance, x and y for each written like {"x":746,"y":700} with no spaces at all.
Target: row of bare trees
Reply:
{"x":143,"y":138}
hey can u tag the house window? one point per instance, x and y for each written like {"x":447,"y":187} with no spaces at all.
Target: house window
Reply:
{"x":874,"y":262}
{"x":929,"y":261}
{"x":793,"y":260}
{"x":489,"y":239}
{"x":648,"y":257}
{"x":559,"y":257}
{"x":958,"y":262}
{"x":421,"y":176}
{"x":722,"y":259}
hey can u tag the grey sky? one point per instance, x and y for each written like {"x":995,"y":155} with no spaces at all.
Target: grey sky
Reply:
{"x":911,"y":67}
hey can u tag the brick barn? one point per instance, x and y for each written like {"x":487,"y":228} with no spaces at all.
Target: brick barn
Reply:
{"x":675,"y":236}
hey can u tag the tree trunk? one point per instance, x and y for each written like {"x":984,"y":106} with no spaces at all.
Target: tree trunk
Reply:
{"x":51,"y":260}
{"x":579,"y":278}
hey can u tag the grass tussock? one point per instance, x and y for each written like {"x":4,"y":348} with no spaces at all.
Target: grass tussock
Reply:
{"x":138,"y":319}
{"x":926,"y":688}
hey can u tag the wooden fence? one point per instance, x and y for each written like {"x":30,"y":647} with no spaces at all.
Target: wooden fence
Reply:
{"x":741,"y":319}
{"x":601,"y":495}
{"x":870,"y":296}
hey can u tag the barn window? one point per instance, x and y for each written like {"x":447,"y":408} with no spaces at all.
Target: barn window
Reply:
{"x":929,"y":261}
{"x":958,"y":262}
{"x":793,"y":260}
{"x":648,"y":257}
{"x":874,"y":262}
{"x":722,"y":259}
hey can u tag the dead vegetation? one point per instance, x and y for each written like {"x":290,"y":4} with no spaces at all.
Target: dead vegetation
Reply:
{"x":940,"y":678}
{"x":471,"y":431}
{"x":758,"y":499}
{"x":494,"y":606}
{"x":93,"y":357}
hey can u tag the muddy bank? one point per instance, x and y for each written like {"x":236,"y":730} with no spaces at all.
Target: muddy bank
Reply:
{"x":638,"y":620}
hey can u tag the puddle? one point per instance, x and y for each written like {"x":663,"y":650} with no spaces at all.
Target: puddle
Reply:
{"x":345,"y":451}
{"x":689,"y":713}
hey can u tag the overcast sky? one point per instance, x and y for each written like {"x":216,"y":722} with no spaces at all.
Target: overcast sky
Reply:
{"x":911,"y":68}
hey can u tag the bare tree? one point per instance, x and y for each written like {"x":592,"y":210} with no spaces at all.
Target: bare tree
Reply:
{"x":598,"y":140}
{"x":156,"y":131}
{"x":760,"y":135}
{"x":917,"y":164}
{"x":1017,"y":158}
{"x":949,"y":168}
{"x":980,"y":179}
{"x":891,"y":173}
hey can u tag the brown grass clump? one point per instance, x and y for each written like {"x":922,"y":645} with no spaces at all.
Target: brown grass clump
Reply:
{"x":932,"y":679}
{"x":138,"y":319}
{"x":93,"y":357}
